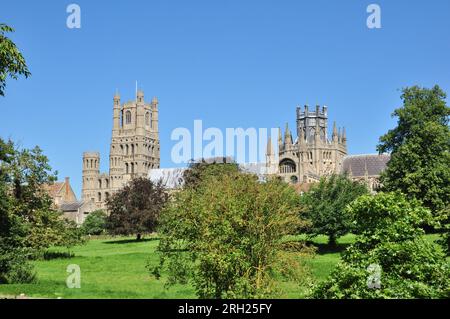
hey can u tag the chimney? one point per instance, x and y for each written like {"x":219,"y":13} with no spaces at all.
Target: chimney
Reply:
{"x":67,"y":185}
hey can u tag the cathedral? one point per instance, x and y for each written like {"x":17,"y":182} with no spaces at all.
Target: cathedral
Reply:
{"x":134,"y":150}
{"x":312,"y":154}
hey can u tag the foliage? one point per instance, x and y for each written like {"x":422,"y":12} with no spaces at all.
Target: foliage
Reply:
{"x":207,"y":167}
{"x":95,"y":223}
{"x":28,"y":221}
{"x":420,"y":149}
{"x":324,"y":205}
{"x":390,"y":238}
{"x":12,"y":63}
{"x":135,"y":209}
{"x":225,"y":235}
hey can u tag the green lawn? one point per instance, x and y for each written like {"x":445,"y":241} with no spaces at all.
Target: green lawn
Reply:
{"x":115,"y":268}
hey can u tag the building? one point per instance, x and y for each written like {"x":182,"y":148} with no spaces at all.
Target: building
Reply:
{"x":65,"y":200}
{"x":134,"y":150}
{"x":366,"y":168}
{"x":61,"y":192}
{"x":312,"y":154}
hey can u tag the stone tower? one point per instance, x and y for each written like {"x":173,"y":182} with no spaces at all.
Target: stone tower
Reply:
{"x":134,"y":148}
{"x":312,"y":154}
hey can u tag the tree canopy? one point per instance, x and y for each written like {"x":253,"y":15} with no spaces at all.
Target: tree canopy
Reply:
{"x":325,"y":206}
{"x":135,"y":208}
{"x":226,"y":235}
{"x":420,"y":149}
{"x":12,"y":63}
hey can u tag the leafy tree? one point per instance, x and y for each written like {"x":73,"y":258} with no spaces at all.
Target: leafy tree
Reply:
{"x":95,"y":223}
{"x":28,"y":221}
{"x":324,"y":205}
{"x":226,"y":235}
{"x":390,"y":258}
{"x":135,"y":209}
{"x":12,"y":63}
{"x":420,"y":149}
{"x":207,"y":167}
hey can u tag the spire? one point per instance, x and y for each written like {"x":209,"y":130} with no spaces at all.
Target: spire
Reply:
{"x":335,"y":133}
{"x":287,"y":136}
{"x":269,"y":148}
{"x":280,"y":140}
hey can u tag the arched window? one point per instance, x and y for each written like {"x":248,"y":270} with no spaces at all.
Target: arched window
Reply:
{"x":132,"y":149}
{"x":126,"y":168}
{"x":132,"y":168}
{"x":99,"y":183}
{"x":147,"y":118}
{"x":128,"y":117}
{"x":99,"y":196}
{"x":287,"y":166}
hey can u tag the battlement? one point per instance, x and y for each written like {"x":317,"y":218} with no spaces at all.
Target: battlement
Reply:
{"x":91,"y":154}
{"x":310,"y":112}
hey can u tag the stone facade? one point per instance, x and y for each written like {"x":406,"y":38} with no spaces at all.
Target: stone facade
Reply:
{"x":312,"y":154}
{"x":134,"y":150}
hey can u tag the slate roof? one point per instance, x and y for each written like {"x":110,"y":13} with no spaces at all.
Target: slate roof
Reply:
{"x":70,"y":207}
{"x":357,"y":164}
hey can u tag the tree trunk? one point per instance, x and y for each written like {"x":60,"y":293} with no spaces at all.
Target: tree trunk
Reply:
{"x":332,"y":241}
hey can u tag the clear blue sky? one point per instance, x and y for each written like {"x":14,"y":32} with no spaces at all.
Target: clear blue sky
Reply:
{"x":229,"y":63}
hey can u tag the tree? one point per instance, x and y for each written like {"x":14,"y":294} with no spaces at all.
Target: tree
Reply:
{"x":95,"y":223}
{"x":135,"y":209}
{"x":12,"y":63}
{"x":390,"y":258}
{"x":226,"y":235}
{"x":420,"y":149}
{"x":29,"y":223}
{"x":324,"y":205}
{"x":206,"y":167}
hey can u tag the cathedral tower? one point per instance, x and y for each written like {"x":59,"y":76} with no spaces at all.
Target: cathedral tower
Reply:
{"x":134,"y":149}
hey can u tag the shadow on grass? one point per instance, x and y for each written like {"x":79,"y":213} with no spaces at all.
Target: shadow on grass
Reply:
{"x":129,"y":241}
{"x":49,"y":255}
{"x":327,"y":249}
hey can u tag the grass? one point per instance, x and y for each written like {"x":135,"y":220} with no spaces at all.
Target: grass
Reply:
{"x":116,"y":268}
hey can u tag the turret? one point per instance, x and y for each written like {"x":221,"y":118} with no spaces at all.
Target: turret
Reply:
{"x":116,"y":112}
{"x":91,"y":171}
{"x":154,"y":117}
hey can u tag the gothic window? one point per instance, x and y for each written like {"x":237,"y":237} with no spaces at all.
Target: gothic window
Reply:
{"x":132,"y":168}
{"x":127,"y":149}
{"x":126,"y":168}
{"x":128,"y":117}
{"x":99,"y":196}
{"x":287,"y":166}
{"x":99,"y":183}
{"x":132,"y":149}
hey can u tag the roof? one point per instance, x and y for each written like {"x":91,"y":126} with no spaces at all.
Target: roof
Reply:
{"x":70,"y":207}
{"x":356,"y":165}
{"x":53,"y":189}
